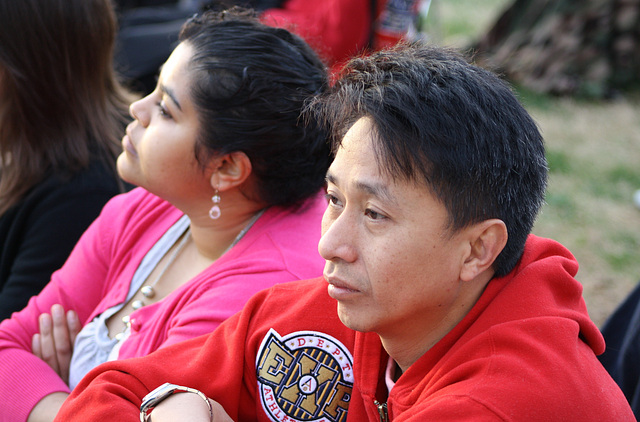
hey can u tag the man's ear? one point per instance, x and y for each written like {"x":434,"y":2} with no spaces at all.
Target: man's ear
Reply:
{"x":486,"y":241}
{"x":230,"y":170}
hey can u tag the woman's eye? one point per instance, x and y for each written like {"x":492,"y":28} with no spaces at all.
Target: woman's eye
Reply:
{"x":162,"y":110}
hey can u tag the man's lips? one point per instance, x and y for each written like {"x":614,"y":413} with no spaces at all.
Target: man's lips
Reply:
{"x":339,"y":289}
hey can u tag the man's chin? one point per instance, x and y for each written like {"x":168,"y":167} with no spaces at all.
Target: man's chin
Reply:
{"x":350,"y":320}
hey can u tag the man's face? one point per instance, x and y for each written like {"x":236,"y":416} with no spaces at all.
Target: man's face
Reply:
{"x":391,"y":263}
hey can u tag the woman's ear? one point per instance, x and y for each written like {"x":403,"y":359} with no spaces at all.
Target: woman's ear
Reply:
{"x":230,"y":170}
{"x":487,"y":239}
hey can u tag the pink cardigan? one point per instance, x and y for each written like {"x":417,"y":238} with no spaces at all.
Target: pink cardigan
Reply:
{"x":281,"y":246}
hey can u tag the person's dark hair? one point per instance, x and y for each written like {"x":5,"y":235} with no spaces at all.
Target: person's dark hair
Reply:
{"x":457,"y":127}
{"x":60,"y":103}
{"x":250,"y":85}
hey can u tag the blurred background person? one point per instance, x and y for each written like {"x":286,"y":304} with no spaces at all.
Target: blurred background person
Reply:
{"x":336,"y":29}
{"x":62,"y":114}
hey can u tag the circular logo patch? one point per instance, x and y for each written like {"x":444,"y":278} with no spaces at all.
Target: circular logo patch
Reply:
{"x":304,"y":376}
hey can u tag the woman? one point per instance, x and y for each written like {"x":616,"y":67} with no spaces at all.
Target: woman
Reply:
{"x":62,"y":113}
{"x":230,"y":202}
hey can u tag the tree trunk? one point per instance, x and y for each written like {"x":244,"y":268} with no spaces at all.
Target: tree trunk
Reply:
{"x":566,"y":47}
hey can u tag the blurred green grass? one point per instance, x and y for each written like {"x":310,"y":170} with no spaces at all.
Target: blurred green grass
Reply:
{"x":593,"y":150}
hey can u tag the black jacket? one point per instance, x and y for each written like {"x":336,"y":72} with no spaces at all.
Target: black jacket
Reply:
{"x":38,"y":234}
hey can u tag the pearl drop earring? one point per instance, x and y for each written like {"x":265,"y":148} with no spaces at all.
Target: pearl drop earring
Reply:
{"x":214,"y":212}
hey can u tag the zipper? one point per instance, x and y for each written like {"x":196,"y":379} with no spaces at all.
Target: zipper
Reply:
{"x":382,"y":411}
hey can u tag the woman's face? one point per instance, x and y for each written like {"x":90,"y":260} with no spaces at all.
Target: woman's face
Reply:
{"x":159,"y":145}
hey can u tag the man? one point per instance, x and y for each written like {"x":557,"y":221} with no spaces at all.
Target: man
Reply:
{"x":436,"y":303}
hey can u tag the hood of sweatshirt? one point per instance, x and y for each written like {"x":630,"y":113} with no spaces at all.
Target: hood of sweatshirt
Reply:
{"x":542,"y":285}
{"x":532,"y":316}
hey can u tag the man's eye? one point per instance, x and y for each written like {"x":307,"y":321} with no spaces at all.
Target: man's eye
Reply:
{"x":373,"y":214}
{"x":331,"y":199}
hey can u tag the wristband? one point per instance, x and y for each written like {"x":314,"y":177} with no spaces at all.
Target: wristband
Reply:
{"x":151,"y":400}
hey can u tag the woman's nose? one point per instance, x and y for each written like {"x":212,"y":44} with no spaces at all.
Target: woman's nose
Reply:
{"x":139,"y":111}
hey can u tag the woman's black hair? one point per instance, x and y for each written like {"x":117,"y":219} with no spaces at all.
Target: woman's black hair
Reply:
{"x":251,"y":82}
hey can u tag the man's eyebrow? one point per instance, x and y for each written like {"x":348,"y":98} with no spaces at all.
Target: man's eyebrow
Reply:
{"x":329,"y":178}
{"x":171,"y":95}
{"x":378,"y":190}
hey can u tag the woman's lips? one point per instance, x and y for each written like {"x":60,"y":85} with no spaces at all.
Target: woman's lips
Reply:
{"x":128,"y":146}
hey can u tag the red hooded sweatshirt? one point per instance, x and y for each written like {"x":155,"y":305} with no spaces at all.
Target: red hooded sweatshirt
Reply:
{"x":525,"y":352}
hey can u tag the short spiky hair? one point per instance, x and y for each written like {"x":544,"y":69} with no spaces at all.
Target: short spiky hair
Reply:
{"x":457,"y":127}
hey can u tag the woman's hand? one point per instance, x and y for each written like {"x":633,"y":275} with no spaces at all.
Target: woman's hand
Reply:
{"x":54,"y":343}
{"x":188,"y":407}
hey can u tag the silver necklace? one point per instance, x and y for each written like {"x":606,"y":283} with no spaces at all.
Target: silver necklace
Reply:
{"x":148,"y":290}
